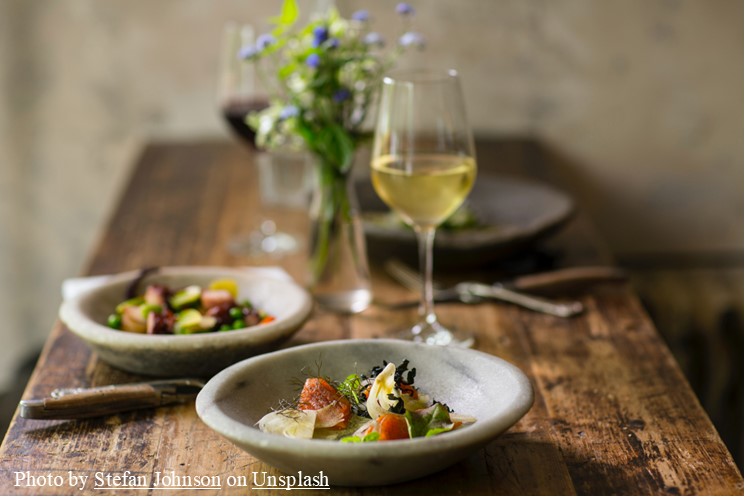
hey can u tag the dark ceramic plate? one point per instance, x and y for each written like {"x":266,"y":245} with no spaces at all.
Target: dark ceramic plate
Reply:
{"x":513,"y":214}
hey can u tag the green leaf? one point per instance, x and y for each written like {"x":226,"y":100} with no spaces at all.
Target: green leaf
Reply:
{"x":428,"y":422}
{"x":436,"y":431}
{"x":334,"y":145}
{"x":148,"y":308}
{"x":344,"y":146}
{"x":288,"y":15}
{"x":350,"y":388}
{"x":128,"y":303}
{"x":370,"y":437}
{"x":308,"y":135}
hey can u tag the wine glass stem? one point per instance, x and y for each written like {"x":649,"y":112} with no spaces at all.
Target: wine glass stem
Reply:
{"x":425,"y":239}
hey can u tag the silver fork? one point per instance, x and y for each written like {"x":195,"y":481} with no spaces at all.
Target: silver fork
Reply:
{"x":470,"y":291}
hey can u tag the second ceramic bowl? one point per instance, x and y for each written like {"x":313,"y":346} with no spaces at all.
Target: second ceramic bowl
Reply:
{"x":200,"y":354}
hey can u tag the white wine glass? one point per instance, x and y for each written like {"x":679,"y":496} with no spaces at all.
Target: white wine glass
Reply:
{"x":423,"y":166}
{"x":281,"y":175}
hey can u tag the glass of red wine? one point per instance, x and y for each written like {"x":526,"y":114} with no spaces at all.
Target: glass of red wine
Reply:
{"x":239,"y":94}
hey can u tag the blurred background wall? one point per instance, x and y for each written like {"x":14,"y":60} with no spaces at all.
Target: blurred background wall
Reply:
{"x":645,"y":96}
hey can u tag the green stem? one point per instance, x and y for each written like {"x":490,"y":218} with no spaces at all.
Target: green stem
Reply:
{"x":333,"y":202}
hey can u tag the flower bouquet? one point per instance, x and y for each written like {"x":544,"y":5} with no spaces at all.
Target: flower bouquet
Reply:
{"x":323,"y":79}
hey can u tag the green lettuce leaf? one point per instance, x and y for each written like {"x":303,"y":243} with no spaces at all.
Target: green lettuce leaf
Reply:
{"x":428,"y":422}
{"x":370,"y":437}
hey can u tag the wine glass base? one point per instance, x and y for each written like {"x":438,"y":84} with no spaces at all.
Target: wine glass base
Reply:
{"x":435,"y":333}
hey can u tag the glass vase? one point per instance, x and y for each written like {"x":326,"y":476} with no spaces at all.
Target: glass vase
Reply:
{"x":339,"y":273}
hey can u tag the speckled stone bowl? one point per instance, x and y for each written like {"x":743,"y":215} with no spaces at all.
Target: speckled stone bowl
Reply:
{"x":200,"y":354}
{"x":497,"y":393}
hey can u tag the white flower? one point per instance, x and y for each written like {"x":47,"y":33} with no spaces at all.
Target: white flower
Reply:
{"x":296,"y":83}
{"x":338,"y":28}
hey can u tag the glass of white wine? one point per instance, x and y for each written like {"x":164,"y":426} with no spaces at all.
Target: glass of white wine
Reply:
{"x":423,"y":167}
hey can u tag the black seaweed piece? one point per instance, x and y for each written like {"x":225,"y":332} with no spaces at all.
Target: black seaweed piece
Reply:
{"x":376,"y":370}
{"x":398,"y":408}
{"x":400,"y":370}
{"x":398,"y":377}
{"x":360,"y":410}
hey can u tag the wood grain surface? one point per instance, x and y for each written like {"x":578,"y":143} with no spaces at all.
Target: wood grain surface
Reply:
{"x":613,"y":413}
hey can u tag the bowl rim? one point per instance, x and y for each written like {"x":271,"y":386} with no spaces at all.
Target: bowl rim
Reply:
{"x":490,"y":234}
{"x":78,"y":322}
{"x":246,"y":435}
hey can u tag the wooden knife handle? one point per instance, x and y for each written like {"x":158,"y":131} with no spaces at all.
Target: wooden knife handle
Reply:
{"x":93,"y":402}
{"x":569,"y":279}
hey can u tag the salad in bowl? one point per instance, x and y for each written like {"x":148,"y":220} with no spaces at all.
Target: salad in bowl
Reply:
{"x":377,"y":406}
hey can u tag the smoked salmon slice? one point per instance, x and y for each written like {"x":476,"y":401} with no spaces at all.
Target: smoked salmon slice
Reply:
{"x":319,"y":395}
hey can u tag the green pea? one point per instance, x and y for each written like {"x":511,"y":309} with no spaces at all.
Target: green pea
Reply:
{"x":115,"y":321}
{"x":236,"y":313}
{"x":239,"y":323}
{"x":225,"y":327}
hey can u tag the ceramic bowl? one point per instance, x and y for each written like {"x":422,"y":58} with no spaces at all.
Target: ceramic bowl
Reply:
{"x":200,"y":354}
{"x":494,"y":391}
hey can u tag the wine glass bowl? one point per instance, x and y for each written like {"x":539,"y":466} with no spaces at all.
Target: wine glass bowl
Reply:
{"x":425,"y":189}
{"x":238,"y":93}
{"x":282,"y":175}
{"x":423,"y":167}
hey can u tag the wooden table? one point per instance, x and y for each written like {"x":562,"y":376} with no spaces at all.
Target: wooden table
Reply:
{"x":613,"y":414}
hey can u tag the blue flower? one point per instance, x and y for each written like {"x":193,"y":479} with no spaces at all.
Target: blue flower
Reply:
{"x":405,"y":9}
{"x":247,"y":52}
{"x":341,"y":95}
{"x":410,"y":38}
{"x":264,"y":41}
{"x":320,"y":34}
{"x":288,"y":112}
{"x":361,"y":16}
{"x":313,"y":60}
{"x":374,"y":39}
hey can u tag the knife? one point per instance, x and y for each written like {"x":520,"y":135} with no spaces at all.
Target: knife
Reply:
{"x":560,"y":280}
{"x":566,"y":279}
{"x":79,"y":403}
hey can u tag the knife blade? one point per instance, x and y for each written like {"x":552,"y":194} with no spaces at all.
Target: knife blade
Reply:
{"x":565,"y":279}
{"x":80,"y":403}
{"x":556,"y":281}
